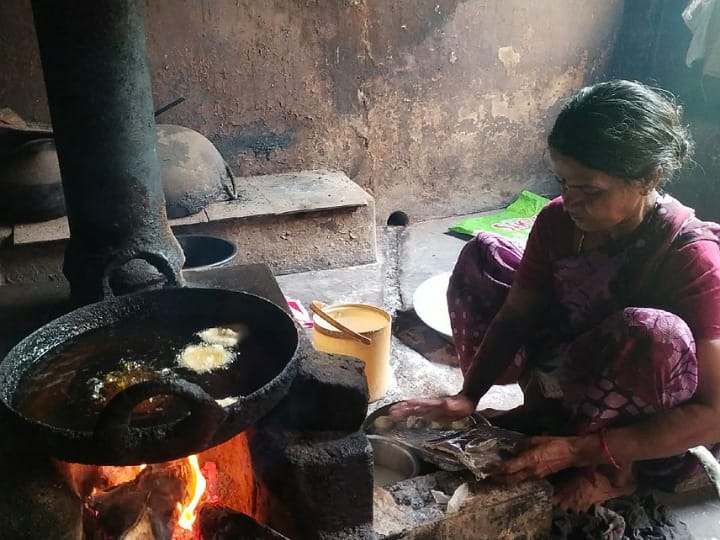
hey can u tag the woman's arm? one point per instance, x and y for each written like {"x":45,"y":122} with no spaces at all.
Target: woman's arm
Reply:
{"x":508,"y":330}
{"x":502,"y":340}
{"x":694,"y":298}
{"x":690,"y":281}
{"x":506,"y":333}
{"x":673,"y":431}
{"x":667,"y":433}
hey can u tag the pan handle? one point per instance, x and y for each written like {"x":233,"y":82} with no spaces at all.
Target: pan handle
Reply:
{"x":159,"y":261}
{"x":194,"y":431}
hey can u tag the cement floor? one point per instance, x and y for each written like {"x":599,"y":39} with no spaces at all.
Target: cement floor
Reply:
{"x":409,"y":256}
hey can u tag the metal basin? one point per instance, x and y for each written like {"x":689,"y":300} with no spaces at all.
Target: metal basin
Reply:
{"x":393,"y":463}
{"x":203,"y":251}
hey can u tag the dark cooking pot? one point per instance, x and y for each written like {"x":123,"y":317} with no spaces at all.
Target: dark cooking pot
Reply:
{"x":30,"y":184}
{"x":203,"y":252}
{"x":204,"y":424}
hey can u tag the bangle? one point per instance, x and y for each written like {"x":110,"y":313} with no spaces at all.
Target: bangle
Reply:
{"x":606,"y":450}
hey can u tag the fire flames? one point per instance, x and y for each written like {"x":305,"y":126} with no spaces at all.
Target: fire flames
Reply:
{"x":127,"y":494}
{"x":181,"y":499}
{"x":197,"y":486}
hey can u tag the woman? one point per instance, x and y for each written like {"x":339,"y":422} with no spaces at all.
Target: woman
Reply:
{"x":610,"y":319}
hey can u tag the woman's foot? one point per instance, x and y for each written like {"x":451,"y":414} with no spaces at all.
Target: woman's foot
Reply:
{"x":584,"y":488}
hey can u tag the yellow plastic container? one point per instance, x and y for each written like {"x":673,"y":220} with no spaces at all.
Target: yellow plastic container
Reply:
{"x":370,"y":321}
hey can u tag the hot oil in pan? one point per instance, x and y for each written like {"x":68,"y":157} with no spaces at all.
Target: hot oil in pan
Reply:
{"x":71,"y":384}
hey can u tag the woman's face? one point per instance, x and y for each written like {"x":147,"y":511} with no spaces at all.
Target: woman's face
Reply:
{"x":596,"y":201}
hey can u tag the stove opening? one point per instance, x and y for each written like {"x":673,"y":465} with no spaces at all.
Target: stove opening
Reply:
{"x":211,"y":495}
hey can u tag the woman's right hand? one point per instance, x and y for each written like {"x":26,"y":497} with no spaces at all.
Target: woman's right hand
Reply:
{"x":443,"y":409}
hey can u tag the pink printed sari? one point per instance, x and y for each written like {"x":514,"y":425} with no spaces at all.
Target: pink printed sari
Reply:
{"x":616,"y":352}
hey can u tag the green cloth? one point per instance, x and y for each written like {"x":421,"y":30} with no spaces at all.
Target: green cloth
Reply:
{"x":514,"y":222}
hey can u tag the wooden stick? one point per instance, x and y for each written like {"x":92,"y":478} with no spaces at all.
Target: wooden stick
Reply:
{"x":317,"y":310}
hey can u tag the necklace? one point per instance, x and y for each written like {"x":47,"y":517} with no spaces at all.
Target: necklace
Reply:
{"x":580,"y":243}
{"x":651,"y":210}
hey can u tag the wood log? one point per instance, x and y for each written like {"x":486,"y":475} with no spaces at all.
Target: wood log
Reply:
{"x":142,"y":529}
{"x":148,"y":500}
{"x":222,"y":523}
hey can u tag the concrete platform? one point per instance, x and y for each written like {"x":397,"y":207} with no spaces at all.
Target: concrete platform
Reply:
{"x":292,"y":222}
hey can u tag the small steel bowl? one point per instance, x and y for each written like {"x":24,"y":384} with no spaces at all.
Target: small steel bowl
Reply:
{"x":390,"y":455}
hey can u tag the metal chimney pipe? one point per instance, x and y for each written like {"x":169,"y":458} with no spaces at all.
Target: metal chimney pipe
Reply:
{"x":98,"y":84}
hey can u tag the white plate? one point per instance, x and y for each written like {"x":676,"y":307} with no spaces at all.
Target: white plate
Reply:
{"x":430,"y":304}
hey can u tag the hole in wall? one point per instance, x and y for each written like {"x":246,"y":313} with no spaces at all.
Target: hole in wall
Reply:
{"x":398,"y":219}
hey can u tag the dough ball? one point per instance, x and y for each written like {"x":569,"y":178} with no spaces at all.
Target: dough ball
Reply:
{"x":384,"y":423}
{"x":204,"y":358}
{"x":227,"y":336}
{"x":460,"y":424}
{"x":415,"y":422}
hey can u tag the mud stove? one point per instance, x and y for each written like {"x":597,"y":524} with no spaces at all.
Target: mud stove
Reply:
{"x":300,"y":469}
{"x":304,"y":469}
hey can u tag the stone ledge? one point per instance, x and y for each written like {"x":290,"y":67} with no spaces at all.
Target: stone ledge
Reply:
{"x":317,"y":220}
{"x":268,"y":195}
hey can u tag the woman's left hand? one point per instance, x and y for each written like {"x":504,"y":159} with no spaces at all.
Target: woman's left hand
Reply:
{"x":539,"y":457}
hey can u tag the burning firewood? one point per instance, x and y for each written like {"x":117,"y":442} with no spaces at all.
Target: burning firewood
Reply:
{"x":221,"y":523}
{"x":142,"y":529}
{"x":126,"y":510}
